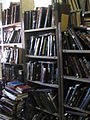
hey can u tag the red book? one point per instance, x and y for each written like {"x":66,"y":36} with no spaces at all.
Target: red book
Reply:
{"x":23,"y":88}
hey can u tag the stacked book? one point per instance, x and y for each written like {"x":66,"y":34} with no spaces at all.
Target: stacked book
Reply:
{"x":12,"y":102}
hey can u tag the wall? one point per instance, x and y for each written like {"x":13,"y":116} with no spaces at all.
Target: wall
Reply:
{"x":27,"y":5}
{"x":6,"y":3}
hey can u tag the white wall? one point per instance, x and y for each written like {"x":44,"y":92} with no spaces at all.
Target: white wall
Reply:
{"x":40,"y":3}
{"x":6,"y":3}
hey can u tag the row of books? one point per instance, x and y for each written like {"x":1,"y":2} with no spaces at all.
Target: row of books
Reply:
{"x":80,"y":65}
{"x":43,"y":99}
{"x":43,"y":72}
{"x":12,"y":14}
{"x":13,"y":36}
{"x":39,"y":18}
{"x":75,"y":17}
{"x":76,"y":40}
{"x":12,"y":72}
{"x":43,"y":45}
{"x":12,"y":55}
{"x":74,"y":4}
{"x":78,"y":95}
{"x":13,"y":100}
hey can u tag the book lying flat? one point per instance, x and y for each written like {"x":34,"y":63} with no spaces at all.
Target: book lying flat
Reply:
{"x":23,"y":88}
{"x":13,"y":97}
{"x":13,"y":84}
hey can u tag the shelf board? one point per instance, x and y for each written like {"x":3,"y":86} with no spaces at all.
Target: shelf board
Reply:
{"x":78,"y":10}
{"x":85,"y":80}
{"x":77,"y":109}
{"x":13,"y":64}
{"x":12,"y":25}
{"x":86,"y":12}
{"x":76,"y":51}
{"x":54,"y":114}
{"x":12,"y":44}
{"x":44,"y":84}
{"x":39,"y":29}
{"x":39,"y":58}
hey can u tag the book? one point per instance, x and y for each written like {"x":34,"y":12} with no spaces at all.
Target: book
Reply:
{"x":87,"y":96}
{"x":26,"y":20}
{"x":42,"y":17}
{"x":23,"y":88}
{"x":14,"y":84}
{"x":73,"y":93}
{"x":48,"y":17}
{"x":14,"y":97}
{"x":74,"y":37}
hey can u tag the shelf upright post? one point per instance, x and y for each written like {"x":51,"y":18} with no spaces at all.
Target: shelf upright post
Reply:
{"x":59,"y":62}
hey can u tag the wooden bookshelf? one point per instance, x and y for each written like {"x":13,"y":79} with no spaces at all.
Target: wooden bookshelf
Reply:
{"x":53,"y":58}
{"x":44,"y":84}
{"x":18,"y":24}
{"x":40,"y":30}
{"x":83,"y":80}
{"x":77,"y":51}
{"x":54,"y":114}
{"x":77,"y":109}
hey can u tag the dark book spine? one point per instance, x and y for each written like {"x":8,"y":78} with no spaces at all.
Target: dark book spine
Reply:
{"x":85,"y":98}
{"x":42,"y":17}
{"x":84,"y":68}
{"x":41,"y":46}
{"x":73,"y":94}
{"x":69,"y":93}
{"x":74,"y":37}
{"x":48,"y":17}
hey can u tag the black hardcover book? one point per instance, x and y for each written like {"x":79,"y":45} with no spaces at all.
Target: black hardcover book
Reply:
{"x":30,"y":20}
{"x":76,"y":63}
{"x":42,"y":17}
{"x":26,"y":20}
{"x":30,"y":45}
{"x":34,"y":18}
{"x":17,"y":14}
{"x":44,"y":52}
{"x":65,"y":44}
{"x":87,"y":97}
{"x":80,"y":96}
{"x":37,"y":46}
{"x":69,"y":93}
{"x":9,"y":16}
{"x":84,"y":68}
{"x":75,"y":38}
{"x":41,"y":46}
{"x":48,"y":18}
{"x":76,"y":87}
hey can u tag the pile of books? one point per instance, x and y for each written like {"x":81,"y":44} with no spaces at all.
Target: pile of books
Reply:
{"x":14,"y":96}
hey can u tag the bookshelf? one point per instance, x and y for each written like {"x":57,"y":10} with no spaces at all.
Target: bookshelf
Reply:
{"x":74,"y":77}
{"x":43,"y":64}
{"x":11,"y":45}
